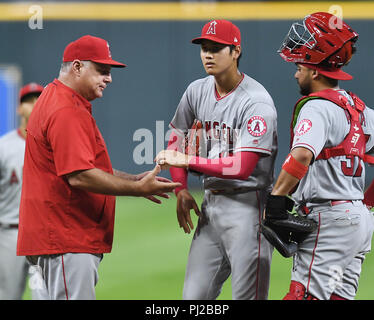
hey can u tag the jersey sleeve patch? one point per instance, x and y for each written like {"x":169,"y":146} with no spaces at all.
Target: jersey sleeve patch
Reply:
{"x":256,"y":126}
{"x":303,"y":127}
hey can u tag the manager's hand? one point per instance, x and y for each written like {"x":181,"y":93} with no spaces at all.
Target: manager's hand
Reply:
{"x":151,"y":185}
{"x":159,"y":194}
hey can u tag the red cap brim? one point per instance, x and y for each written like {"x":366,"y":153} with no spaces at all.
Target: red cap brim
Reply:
{"x":113,"y":63}
{"x":337,"y":74}
{"x":212,"y":38}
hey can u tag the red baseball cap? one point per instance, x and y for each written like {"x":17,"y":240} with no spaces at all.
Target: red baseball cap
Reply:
{"x":333,"y":73}
{"x":221,"y":31}
{"x":90,"y":48}
{"x":30,"y":88}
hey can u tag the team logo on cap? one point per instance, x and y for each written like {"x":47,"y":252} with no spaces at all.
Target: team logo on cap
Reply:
{"x":304,"y":126}
{"x":257,"y":126}
{"x":110,"y":54}
{"x":33,"y":86}
{"x":212,"y":28}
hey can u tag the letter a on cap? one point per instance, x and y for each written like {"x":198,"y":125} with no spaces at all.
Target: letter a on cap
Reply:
{"x":110,"y":54}
{"x":212,"y":28}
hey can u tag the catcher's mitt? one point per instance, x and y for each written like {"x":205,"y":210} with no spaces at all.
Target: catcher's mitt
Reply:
{"x":283,"y":229}
{"x":193,"y":142}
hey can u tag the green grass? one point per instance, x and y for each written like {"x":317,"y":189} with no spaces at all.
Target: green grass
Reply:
{"x":150,"y":253}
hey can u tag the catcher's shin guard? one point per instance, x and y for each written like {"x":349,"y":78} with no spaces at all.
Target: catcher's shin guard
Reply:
{"x":336,"y":297}
{"x":297,"y":292}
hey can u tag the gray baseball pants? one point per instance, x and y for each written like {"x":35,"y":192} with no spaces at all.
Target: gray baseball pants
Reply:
{"x":227,"y":241}
{"x":13,"y":269}
{"x":69,"y":276}
{"x":329,"y":260}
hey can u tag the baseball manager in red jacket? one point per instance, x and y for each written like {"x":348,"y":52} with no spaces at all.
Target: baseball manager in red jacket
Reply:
{"x":69,"y":186}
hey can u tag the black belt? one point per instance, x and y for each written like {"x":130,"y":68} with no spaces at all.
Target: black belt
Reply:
{"x":9,"y":225}
{"x":230,"y":191}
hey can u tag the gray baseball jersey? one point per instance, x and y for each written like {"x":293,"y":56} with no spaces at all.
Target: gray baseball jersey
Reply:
{"x":12,"y":149}
{"x":244,"y":120}
{"x":13,"y":269}
{"x":323,"y":124}
{"x":228,"y":241}
{"x":329,"y":260}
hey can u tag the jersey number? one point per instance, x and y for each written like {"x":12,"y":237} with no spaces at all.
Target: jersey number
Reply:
{"x":348,"y":167}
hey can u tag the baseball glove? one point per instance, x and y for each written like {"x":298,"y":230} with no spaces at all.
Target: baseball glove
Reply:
{"x":283,"y":229}
{"x":193,"y":142}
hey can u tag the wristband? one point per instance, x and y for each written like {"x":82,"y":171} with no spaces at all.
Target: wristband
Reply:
{"x":294,"y":167}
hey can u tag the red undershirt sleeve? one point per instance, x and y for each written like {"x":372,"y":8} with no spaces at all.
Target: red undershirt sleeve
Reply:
{"x":239,"y":166}
{"x":177,"y":174}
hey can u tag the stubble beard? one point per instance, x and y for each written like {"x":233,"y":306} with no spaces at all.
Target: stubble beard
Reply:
{"x":304,"y":89}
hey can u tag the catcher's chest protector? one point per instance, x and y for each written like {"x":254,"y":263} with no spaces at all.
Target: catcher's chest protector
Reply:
{"x":354,"y":144}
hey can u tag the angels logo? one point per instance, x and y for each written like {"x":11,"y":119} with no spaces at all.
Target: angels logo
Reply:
{"x":304,"y":126}
{"x":13,"y":178}
{"x":212,"y":28}
{"x":110,"y":55}
{"x":256,"y":126}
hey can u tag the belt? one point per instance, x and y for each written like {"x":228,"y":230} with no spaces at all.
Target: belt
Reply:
{"x":230,"y":191}
{"x":306,"y":210}
{"x":8,"y":225}
{"x":336,"y":202}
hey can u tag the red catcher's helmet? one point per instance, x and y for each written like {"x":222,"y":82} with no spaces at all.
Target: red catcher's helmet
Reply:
{"x":320,"y":38}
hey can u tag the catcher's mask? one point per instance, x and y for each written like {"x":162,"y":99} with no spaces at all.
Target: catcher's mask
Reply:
{"x":320,"y":39}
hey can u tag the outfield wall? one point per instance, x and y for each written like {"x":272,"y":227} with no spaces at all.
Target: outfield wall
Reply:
{"x":162,"y":62}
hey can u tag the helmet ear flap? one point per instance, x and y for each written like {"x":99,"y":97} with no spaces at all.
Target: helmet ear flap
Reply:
{"x":343,"y":56}
{"x":349,"y":52}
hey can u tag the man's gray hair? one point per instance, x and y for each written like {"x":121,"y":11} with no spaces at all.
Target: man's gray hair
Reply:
{"x":65,"y":66}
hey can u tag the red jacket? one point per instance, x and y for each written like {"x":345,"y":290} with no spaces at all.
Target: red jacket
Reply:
{"x":62,"y":137}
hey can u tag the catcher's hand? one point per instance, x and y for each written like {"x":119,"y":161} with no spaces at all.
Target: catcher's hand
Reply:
{"x":283,"y":229}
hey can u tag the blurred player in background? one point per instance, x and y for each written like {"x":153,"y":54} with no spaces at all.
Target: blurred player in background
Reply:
{"x":13,"y":269}
{"x":239,"y":123}
{"x":69,"y":187}
{"x":332,"y":136}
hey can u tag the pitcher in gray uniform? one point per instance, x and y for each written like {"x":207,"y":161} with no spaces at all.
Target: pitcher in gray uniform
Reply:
{"x":239,"y":148}
{"x":13,"y":269}
{"x":332,"y":137}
